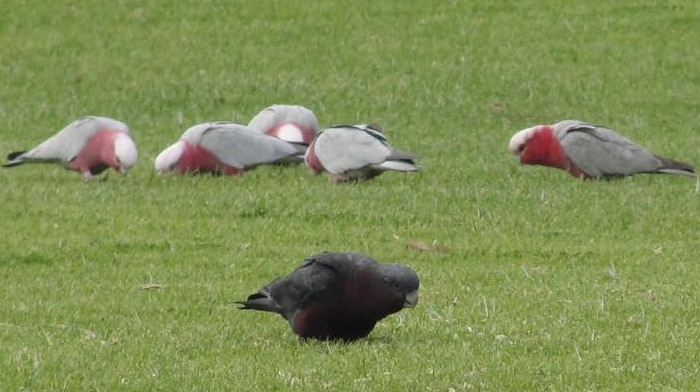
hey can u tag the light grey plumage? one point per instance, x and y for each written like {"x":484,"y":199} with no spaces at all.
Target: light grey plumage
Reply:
{"x":88,"y":145}
{"x":67,"y":143}
{"x":601,"y":152}
{"x":238,"y":145}
{"x":225,"y":147}
{"x":356,"y":152}
{"x":291,"y":123}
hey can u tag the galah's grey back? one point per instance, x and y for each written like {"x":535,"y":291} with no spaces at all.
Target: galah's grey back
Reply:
{"x":348,"y":147}
{"x":601,"y":152}
{"x":275,"y":114}
{"x":68,"y":142}
{"x":239,"y":146}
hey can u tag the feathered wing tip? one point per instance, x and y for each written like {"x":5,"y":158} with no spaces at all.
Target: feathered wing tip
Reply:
{"x":676,"y":167}
{"x":403,"y":156}
{"x":403,"y":166}
{"x":400,"y":161}
{"x":262,"y":300}
{"x":259,"y":301}
{"x":12,"y":159}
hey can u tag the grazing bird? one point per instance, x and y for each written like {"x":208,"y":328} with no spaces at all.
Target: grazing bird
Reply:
{"x":589,"y":152}
{"x":334,"y":296}
{"x":356,"y":152}
{"x":223,"y":148}
{"x":89,"y":145}
{"x":291,"y":123}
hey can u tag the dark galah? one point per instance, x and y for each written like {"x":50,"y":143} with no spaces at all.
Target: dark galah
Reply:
{"x":589,"y":151}
{"x":291,"y":123}
{"x":338,"y":296}
{"x":89,"y":145}
{"x":356,"y":152}
{"x":223,"y":148}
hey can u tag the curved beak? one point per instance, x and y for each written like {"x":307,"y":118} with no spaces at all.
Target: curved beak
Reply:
{"x":411,"y":299}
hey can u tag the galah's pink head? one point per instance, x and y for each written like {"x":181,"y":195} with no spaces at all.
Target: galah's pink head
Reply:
{"x":168,"y":159}
{"x":531,"y":144}
{"x":538,"y":146}
{"x":311,"y":160}
{"x":293,"y":133}
{"x":125,"y":154}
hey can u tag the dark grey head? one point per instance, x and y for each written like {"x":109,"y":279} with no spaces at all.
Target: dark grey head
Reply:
{"x":404,"y":280}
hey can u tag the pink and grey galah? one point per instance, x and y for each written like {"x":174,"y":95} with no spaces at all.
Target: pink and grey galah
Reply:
{"x":352,"y":153}
{"x":89,"y":145}
{"x":223,"y":148}
{"x":589,"y":151}
{"x":291,"y":123}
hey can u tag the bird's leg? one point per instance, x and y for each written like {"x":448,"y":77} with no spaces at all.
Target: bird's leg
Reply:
{"x":88,"y":176}
{"x":338,"y":178}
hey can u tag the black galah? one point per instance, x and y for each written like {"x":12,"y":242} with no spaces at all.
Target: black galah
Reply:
{"x":338,"y":296}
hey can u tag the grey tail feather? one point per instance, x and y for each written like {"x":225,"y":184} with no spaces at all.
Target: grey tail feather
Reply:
{"x":12,"y":158}
{"x":260,"y":301}
{"x":397,"y":155}
{"x":14,"y":155}
{"x":671,"y":166}
{"x":300,"y":147}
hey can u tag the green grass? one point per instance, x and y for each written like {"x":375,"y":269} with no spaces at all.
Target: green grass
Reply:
{"x":552,"y":284}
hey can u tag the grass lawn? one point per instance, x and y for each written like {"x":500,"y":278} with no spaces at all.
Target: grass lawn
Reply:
{"x":550,"y":284}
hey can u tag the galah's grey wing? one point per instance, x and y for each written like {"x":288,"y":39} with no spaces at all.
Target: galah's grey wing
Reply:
{"x":264,"y":120}
{"x":195,"y":133}
{"x":343,"y":149}
{"x":241,"y":147}
{"x":600,"y":152}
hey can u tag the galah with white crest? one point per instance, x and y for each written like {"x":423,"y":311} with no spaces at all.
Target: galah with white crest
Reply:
{"x":352,"y":153}
{"x":89,"y":145}
{"x":589,"y":151}
{"x":223,"y":148}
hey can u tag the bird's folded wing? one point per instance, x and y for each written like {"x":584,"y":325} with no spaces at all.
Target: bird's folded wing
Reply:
{"x":341,"y":150}
{"x":67,"y":143}
{"x":600,"y":152}
{"x":239,"y":146}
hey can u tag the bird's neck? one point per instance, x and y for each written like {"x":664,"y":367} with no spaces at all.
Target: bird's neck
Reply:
{"x":544,"y":149}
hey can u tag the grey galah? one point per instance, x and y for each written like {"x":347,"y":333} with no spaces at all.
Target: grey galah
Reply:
{"x":338,"y":295}
{"x":291,"y":123}
{"x":223,"y":148}
{"x":589,"y":151}
{"x":89,"y":145}
{"x":356,"y":152}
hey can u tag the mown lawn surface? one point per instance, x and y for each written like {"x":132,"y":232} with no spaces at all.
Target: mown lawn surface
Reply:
{"x":550,"y":283}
